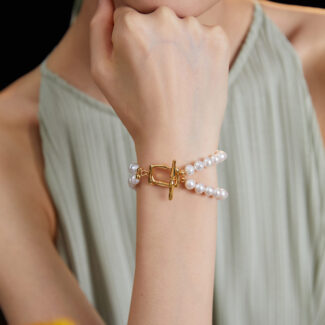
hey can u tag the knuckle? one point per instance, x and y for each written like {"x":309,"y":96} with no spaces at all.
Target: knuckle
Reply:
{"x":219,"y":37}
{"x":165,"y":12}
{"x":192,"y":23}
{"x":129,"y":15}
{"x":218,"y":33}
{"x":191,"y":20}
{"x":130,"y":19}
{"x":125,"y":16}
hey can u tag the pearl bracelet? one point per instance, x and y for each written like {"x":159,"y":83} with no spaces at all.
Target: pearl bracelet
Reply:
{"x":177,"y":176}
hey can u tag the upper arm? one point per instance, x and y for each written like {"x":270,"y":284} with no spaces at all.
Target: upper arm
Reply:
{"x":22,"y":188}
{"x":310,"y":46}
{"x":35,"y":283}
{"x":304,"y":27}
{"x":316,"y":82}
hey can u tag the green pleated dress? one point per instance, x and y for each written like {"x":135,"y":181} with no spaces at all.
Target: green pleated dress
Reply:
{"x":270,"y":264}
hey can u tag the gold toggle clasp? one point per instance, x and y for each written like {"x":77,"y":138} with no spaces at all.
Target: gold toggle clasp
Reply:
{"x":173,"y":177}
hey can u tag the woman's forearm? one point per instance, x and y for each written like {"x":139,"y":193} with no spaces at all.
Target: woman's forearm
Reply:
{"x":167,"y":79}
{"x":176,"y":243}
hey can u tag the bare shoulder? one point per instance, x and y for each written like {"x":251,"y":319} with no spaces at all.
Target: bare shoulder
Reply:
{"x":22,"y":184}
{"x":304,"y":27}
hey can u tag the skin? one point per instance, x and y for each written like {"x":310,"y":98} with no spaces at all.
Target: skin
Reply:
{"x":28,"y":218}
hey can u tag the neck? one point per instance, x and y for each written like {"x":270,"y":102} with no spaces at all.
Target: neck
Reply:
{"x":71,"y":58}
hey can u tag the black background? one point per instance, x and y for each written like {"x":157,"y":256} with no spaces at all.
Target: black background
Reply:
{"x":30,"y":30}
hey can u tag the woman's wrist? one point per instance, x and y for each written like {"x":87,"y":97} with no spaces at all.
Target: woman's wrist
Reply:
{"x":165,"y":149}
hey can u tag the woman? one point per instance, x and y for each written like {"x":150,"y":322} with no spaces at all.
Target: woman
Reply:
{"x":76,"y":241}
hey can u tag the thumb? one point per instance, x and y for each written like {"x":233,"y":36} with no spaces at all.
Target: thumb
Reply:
{"x":101,"y":27}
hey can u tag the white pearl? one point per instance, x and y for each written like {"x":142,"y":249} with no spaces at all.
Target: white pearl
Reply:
{"x":222,"y":156}
{"x":199,"y":188}
{"x":207,"y":162}
{"x":217,"y":159}
{"x":217,"y":193}
{"x":223,"y":193}
{"x":208,"y":191}
{"x":198,"y":165}
{"x":130,"y":182}
{"x":133,"y":168}
{"x":190,"y":184}
{"x":133,"y":180}
{"x":213,"y":159}
{"x":189,"y":169}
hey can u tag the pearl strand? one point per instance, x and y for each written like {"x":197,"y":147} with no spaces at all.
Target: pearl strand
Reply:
{"x":133,"y":180}
{"x":190,"y":184}
{"x":214,"y":159}
{"x":218,"y":192}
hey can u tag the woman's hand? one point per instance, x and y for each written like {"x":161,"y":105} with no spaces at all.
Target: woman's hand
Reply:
{"x":166,"y":77}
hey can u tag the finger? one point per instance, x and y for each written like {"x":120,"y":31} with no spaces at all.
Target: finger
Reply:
{"x":162,"y":11}
{"x":101,"y":28}
{"x":122,"y":11}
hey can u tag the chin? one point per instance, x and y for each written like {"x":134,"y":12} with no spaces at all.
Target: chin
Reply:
{"x":182,"y":8}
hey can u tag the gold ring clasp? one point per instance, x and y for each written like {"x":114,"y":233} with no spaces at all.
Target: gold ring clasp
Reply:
{"x":173,"y":178}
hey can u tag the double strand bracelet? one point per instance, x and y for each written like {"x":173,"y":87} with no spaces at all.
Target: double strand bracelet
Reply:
{"x":177,"y":176}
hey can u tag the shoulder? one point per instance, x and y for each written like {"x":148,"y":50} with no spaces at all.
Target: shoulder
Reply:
{"x":300,"y":24}
{"x":21,"y":160}
{"x":304,"y":27}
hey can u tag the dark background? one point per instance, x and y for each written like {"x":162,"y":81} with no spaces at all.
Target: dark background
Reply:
{"x":30,"y":30}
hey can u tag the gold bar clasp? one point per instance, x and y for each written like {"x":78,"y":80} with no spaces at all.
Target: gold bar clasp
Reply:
{"x":173,"y":178}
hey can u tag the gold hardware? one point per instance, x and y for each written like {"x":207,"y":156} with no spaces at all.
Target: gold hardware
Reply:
{"x":173,"y":178}
{"x":176,"y":176}
{"x":141,"y":172}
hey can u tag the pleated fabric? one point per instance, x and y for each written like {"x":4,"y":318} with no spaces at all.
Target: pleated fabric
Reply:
{"x":270,"y":264}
